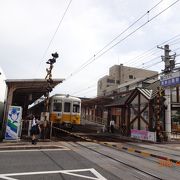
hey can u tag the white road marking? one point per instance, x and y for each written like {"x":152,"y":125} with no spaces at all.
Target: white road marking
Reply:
{"x":9,"y":178}
{"x":97,"y":175}
{"x":40,"y":149}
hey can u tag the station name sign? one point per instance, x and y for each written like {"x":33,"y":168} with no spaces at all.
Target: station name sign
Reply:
{"x":170,"y":79}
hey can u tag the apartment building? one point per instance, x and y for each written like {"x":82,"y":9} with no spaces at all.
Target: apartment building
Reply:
{"x":118,"y":75}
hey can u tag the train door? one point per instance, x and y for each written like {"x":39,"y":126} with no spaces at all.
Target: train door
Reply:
{"x":76,"y":108}
{"x":67,"y":113}
{"x":56,"y":110}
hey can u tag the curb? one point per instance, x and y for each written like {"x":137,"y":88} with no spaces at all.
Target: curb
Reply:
{"x":29,"y":147}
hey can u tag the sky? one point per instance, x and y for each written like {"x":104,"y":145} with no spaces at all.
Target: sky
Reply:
{"x":31,"y":30}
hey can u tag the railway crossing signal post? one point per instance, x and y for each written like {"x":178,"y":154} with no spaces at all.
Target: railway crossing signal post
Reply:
{"x":49,"y":78}
{"x":49,"y":89}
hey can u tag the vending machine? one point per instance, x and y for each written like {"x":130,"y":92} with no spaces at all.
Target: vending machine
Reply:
{"x":13,"y":123}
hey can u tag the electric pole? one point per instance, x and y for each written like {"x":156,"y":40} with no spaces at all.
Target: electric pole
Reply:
{"x":169,"y":61}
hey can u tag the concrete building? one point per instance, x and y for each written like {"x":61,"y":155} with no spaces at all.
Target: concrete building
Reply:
{"x":119,"y":74}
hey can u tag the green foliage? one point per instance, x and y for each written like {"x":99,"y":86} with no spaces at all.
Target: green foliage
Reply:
{"x":176,"y":117}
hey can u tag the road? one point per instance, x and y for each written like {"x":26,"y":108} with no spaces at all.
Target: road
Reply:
{"x":54,"y":164}
{"x":83,"y":160}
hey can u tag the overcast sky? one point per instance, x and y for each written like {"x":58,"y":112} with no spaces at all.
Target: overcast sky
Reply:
{"x":28,"y":26}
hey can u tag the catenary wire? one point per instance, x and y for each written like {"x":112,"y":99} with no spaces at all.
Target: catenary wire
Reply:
{"x":84,"y":64}
{"x":89,"y":88}
{"x":96,"y":57}
{"x":54,"y":34}
{"x":149,"y":51}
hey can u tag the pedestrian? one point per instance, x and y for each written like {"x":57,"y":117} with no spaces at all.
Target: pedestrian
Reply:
{"x":34,"y":130}
{"x":112,"y":124}
{"x":123,"y":129}
{"x":103,"y":128}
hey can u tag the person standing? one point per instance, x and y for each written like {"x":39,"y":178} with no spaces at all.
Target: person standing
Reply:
{"x":112,"y":124}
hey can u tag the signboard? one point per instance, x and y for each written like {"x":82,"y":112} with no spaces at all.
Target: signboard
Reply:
{"x":13,"y":123}
{"x":143,"y":135}
{"x":170,"y":79}
{"x":152,"y":136}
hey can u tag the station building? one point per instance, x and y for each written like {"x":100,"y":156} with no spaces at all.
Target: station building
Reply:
{"x":143,"y":104}
{"x":22,"y":93}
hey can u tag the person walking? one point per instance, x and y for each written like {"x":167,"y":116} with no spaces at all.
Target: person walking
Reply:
{"x":34,"y":130}
{"x":112,"y":124}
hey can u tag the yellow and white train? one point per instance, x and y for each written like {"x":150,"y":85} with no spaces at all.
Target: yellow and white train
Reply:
{"x":62,"y":110}
{"x":65,"y":110}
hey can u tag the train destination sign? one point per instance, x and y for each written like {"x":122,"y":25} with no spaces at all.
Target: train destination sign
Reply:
{"x":170,"y":79}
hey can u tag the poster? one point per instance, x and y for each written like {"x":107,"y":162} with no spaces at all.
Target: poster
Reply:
{"x":13,"y":123}
{"x":143,"y":135}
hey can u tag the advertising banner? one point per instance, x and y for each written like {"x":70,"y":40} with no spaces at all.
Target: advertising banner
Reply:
{"x":143,"y":135}
{"x":13,"y":123}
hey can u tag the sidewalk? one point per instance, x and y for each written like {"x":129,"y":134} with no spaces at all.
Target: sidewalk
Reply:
{"x":25,"y":145}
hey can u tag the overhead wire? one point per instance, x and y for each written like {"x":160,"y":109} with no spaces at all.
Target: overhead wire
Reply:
{"x":169,"y":41}
{"x":54,"y":34}
{"x":149,"y":51}
{"x":94,"y":57}
{"x":125,"y":30}
{"x":136,"y":29}
{"x":144,"y":67}
{"x":60,"y":22}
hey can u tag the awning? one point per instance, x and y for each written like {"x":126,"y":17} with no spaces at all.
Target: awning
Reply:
{"x":29,"y":90}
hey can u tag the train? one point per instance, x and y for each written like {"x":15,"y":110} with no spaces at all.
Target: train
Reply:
{"x":64,"y":110}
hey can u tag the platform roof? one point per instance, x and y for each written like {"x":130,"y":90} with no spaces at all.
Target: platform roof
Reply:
{"x":31,"y":89}
{"x":97,"y":101}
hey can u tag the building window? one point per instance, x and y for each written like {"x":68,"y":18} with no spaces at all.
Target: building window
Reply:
{"x":174,"y":95}
{"x":175,"y":120}
{"x":110,"y":81}
{"x":117,"y":82}
{"x":131,"y":77}
{"x":100,"y":84}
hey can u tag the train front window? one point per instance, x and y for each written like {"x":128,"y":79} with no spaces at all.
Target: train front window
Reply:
{"x":76,"y":108}
{"x":57,"y":107}
{"x":67,"y":106}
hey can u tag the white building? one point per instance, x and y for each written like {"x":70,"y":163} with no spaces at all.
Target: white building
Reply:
{"x":118,"y":75}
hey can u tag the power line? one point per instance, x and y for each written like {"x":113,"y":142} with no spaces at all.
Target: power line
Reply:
{"x":84,"y":64}
{"x":137,"y":29}
{"x":94,"y":84}
{"x":57,"y":29}
{"x":149,"y":51}
{"x":52,"y":38}
{"x":95,"y":58}
{"x":144,"y":67}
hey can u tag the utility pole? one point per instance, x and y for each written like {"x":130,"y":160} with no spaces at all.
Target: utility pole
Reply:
{"x":169,"y":61}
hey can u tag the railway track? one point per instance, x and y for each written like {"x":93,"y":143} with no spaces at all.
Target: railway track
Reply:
{"x":76,"y":138}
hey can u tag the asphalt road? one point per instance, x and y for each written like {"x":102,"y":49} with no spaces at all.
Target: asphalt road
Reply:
{"x":74,"y":161}
{"x":52,"y":164}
